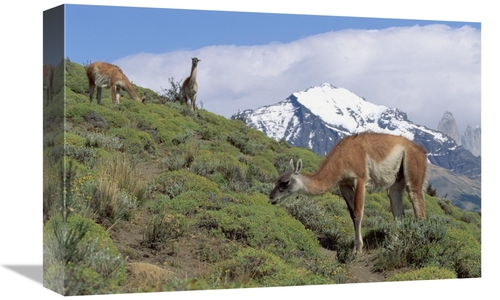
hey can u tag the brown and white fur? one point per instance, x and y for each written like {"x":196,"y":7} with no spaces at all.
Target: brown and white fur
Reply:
{"x":190,"y":86}
{"x":102,"y":74}
{"x":48,"y":79}
{"x":366,"y":159}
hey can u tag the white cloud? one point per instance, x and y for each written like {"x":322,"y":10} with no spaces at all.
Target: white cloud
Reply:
{"x":423,"y":70}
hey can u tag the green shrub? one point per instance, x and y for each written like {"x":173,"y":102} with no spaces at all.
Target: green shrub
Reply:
{"x":409,"y":242}
{"x":376,"y":208}
{"x":163,"y":228}
{"x":76,"y":78}
{"x":462,"y":253}
{"x":263,"y":169}
{"x":176,"y":160}
{"x":431,"y":242}
{"x":242,"y":141}
{"x":73,"y":139}
{"x":80,"y":258}
{"x":450,"y":209}
{"x":135,"y":141}
{"x":256,"y":267}
{"x":177,"y":182}
{"x":208,"y":132}
{"x":327,"y":218}
{"x":213,"y":249}
{"x":471,"y":218}
{"x":426,"y":273}
{"x":226,"y":170}
{"x":250,"y":220}
{"x":182,"y":138}
{"x":432,"y":207}
{"x":105,"y":141}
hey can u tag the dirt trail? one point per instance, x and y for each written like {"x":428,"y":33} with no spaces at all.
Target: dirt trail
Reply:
{"x":361,"y":270}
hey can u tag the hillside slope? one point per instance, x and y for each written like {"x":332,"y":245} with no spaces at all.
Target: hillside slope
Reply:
{"x":184,"y":200}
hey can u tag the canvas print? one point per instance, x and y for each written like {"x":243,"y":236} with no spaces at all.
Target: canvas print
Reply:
{"x":245,"y":150}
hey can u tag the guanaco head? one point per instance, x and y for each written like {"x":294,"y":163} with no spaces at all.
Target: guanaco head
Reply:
{"x":288,"y":183}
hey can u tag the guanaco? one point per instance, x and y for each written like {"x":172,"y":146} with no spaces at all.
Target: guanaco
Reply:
{"x":102,"y":74}
{"x":366,"y":159}
{"x":190,"y":86}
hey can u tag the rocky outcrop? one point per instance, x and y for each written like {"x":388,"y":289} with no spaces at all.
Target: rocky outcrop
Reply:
{"x":448,"y":126}
{"x":471,"y":140}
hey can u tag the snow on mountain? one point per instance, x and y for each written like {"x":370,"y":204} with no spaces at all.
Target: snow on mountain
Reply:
{"x":352,"y":113}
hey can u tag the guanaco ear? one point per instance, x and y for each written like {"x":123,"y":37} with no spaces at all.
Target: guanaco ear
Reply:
{"x":299,"y":166}
{"x":290,"y":165}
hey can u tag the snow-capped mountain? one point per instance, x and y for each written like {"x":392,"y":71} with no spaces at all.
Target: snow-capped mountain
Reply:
{"x":319,"y":117}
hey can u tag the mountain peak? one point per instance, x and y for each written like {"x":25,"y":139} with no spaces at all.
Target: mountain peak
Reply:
{"x":339,"y":107}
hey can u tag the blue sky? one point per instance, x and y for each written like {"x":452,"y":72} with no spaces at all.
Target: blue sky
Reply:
{"x":115,"y":32}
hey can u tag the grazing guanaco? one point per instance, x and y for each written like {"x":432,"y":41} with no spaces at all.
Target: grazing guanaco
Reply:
{"x":190,"y":86}
{"x":366,"y":159}
{"x":102,"y":74}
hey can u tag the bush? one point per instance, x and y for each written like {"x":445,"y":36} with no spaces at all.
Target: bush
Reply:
{"x":76,"y":78}
{"x":249,"y":220}
{"x":177,"y":182}
{"x":176,"y":160}
{"x":409,"y":242}
{"x":462,"y":253}
{"x":163,"y":228}
{"x":111,"y":192}
{"x":135,"y":141}
{"x":226,"y":171}
{"x":101,"y":140}
{"x":429,"y":190}
{"x":426,"y":273}
{"x":173,"y":93}
{"x":256,"y":267}
{"x":430,"y":242}
{"x":80,"y":258}
{"x":333,"y":229}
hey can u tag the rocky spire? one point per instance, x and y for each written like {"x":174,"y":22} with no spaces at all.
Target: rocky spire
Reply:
{"x":448,"y":126}
{"x":471,"y":140}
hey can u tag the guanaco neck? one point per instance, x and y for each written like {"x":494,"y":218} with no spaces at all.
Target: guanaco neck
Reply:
{"x":314,"y":184}
{"x":131,"y":91}
{"x":192,"y":77}
{"x":329,"y":173}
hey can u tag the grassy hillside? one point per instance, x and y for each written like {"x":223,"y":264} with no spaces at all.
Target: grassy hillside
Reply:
{"x":182,"y":202}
